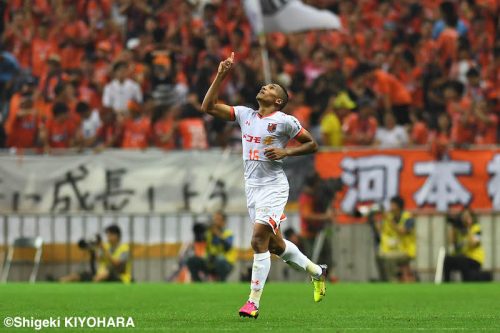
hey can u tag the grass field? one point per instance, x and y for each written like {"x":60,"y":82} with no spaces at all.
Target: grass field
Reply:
{"x":284,"y":307}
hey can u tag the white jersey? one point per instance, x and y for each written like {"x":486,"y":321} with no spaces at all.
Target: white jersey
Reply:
{"x":259,"y":133}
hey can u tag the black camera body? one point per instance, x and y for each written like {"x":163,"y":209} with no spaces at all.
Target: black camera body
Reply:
{"x":455,"y":221}
{"x":90,"y":243}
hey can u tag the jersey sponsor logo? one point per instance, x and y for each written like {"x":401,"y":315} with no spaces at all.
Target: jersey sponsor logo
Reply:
{"x":271,"y":127}
{"x":268,"y":140}
{"x":251,"y":138}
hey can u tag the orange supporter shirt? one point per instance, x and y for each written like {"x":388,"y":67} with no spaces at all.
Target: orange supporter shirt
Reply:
{"x":309,"y":229}
{"x":388,"y":84}
{"x":463,"y":128}
{"x":23,"y":132}
{"x":61,"y":132}
{"x":161,"y":128}
{"x":136,"y":133}
{"x":447,"y":45}
{"x":71,"y":55}
{"x":193,"y":134}
{"x":41,"y":50}
{"x":420,"y":133}
{"x":487,"y":133}
{"x":355,"y":125}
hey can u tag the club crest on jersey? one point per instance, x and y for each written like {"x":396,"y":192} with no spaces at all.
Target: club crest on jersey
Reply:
{"x":271,"y":127}
{"x":268,"y":140}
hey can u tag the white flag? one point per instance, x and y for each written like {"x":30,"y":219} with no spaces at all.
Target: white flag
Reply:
{"x":288,"y":16}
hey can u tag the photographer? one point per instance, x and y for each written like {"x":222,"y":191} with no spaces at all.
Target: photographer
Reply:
{"x":468,"y":253}
{"x":113,"y":258}
{"x":397,"y":246}
{"x":316,"y":216}
{"x":220,"y":255}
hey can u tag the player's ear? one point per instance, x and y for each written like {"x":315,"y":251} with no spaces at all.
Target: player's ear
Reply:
{"x":279,"y":103}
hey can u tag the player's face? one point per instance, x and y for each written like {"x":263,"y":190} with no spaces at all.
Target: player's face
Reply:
{"x":269,"y":94}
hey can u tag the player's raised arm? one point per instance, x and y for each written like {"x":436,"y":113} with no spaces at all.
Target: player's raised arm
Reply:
{"x":209,"y":104}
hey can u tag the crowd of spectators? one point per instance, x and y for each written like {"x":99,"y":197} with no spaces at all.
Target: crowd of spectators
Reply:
{"x":132,"y":73}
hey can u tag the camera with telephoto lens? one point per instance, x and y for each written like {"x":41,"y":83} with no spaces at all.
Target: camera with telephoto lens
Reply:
{"x":90,"y":243}
{"x":455,"y":221}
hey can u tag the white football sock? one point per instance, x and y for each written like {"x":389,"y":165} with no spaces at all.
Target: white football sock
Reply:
{"x":260,"y":270}
{"x":293,"y":257}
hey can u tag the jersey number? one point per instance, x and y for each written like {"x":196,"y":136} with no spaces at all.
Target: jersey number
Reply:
{"x":254,"y":154}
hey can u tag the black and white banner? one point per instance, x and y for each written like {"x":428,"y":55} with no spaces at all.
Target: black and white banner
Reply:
{"x":288,"y":16}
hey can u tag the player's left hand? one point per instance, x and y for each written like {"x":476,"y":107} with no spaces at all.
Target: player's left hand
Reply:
{"x":274,"y":154}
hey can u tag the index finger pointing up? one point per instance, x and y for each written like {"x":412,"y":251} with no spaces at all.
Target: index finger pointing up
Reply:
{"x":232,"y":57}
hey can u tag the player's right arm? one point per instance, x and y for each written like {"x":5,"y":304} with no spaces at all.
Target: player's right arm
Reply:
{"x":210,"y":104}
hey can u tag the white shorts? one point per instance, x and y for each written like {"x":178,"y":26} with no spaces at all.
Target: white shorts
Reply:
{"x":266,"y":204}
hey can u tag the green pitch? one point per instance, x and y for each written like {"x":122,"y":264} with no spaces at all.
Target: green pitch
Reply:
{"x":284,"y":307}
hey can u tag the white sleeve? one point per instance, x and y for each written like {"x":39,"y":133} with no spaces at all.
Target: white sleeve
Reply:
{"x":107,"y":99}
{"x":239,"y":113}
{"x":404,"y":136}
{"x":138,"y":92}
{"x":294,"y":126}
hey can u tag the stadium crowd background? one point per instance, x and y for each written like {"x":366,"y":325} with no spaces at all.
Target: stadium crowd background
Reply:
{"x":132,"y":73}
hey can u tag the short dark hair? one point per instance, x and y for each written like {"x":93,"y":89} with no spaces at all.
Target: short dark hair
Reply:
{"x":119,"y":65}
{"x":399,"y":201}
{"x":114,"y":229}
{"x":59,"y":108}
{"x":473,"y":72}
{"x":221,"y":213}
{"x":82,"y":107}
{"x":362,"y":69}
{"x":284,"y":96}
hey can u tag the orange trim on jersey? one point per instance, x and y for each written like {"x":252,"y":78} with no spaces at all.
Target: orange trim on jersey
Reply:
{"x":232,"y":116}
{"x":273,"y":224}
{"x":300,"y":132}
{"x":283,"y":217}
{"x":269,"y":115}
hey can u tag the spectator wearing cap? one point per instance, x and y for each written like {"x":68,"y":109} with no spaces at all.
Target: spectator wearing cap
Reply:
{"x":360,"y":127}
{"x":51,"y":78}
{"x":331,"y":123}
{"x":136,"y":127}
{"x":166,"y":91}
{"x":121,"y":90}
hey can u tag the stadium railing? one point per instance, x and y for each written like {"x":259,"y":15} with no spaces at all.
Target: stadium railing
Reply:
{"x":156,"y":240}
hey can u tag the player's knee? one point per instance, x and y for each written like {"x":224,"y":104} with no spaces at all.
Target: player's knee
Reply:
{"x":277,"y":247}
{"x":259,"y":243}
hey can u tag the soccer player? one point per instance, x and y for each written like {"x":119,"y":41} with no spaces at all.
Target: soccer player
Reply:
{"x":265,"y":134}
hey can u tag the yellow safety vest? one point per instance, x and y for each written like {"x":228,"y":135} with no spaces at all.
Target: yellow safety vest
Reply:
{"x":391,"y":242}
{"x":126,"y":275}
{"x":477,"y":252}
{"x":218,"y":249}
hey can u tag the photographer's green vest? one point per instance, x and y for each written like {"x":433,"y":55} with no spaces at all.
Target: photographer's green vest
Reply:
{"x":126,"y":275}
{"x":391,"y":242}
{"x":463,"y":247}
{"x":215,"y":248}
